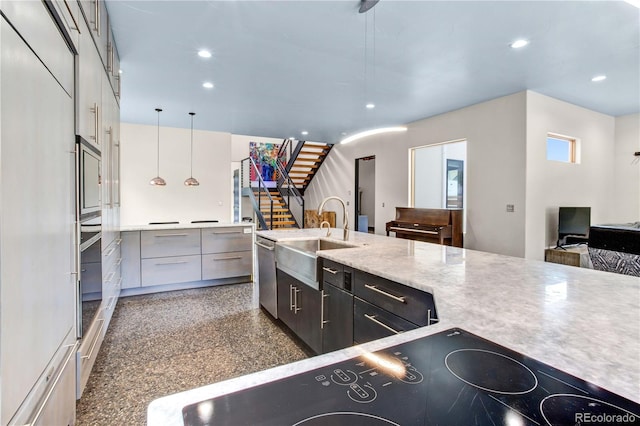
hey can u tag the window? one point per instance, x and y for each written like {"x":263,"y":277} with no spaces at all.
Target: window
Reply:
{"x":561,"y":148}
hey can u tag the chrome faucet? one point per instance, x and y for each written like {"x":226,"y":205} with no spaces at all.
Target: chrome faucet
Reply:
{"x":328,"y":227}
{"x":345,"y":216}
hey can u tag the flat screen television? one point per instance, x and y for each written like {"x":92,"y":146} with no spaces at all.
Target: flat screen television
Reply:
{"x":573,"y":225}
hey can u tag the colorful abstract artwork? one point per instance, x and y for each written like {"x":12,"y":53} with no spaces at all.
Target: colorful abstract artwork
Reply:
{"x":265,"y":156}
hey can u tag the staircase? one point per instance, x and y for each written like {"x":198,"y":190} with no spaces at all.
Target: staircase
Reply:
{"x":296,"y":168}
{"x":304,"y":161}
{"x":275,"y":208}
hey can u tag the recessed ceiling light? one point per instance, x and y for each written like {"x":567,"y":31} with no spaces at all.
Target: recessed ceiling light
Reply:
{"x":519,"y":43}
{"x":207,"y":85}
{"x":304,"y":133}
{"x":370,"y":106}
{"x":119,"y":71}
{"x":599,"y":78}
{"x":204,"y":53}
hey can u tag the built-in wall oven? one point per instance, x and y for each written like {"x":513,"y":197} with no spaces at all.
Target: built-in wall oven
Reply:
{"x":90,"y":233}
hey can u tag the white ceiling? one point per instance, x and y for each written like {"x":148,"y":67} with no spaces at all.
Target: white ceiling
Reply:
{"x":280,"y":67}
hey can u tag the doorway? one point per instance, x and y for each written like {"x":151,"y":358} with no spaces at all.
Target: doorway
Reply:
{"x":365,"y":194}
{"x":438,"y":176}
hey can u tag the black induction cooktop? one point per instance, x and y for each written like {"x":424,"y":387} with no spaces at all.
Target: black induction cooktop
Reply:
{"x":450,"y":378}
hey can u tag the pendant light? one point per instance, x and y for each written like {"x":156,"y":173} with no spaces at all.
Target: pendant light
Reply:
{"x":158,"y":181}
{"x":191,"y":181}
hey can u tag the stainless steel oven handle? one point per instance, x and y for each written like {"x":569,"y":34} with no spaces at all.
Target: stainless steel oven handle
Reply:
{"x":381,"y":324}
{"x":227,"y":258}
{"x":180,"y":262}
{"x":384,"y":293}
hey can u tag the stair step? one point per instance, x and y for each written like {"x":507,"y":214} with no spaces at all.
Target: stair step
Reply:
{"x":314,"y":144}
{"x":284,"y":222}
{"x":307,"y":152}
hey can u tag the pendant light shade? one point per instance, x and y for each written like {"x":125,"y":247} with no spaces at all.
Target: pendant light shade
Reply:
{"x":158,"y":181}
{"x":191,"y":181}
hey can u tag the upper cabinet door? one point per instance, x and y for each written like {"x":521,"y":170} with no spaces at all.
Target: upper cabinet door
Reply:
{"x":95,"y":12}
{"x":88,"y":89}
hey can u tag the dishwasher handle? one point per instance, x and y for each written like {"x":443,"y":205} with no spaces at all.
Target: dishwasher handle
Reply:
{"x":264,"y":246}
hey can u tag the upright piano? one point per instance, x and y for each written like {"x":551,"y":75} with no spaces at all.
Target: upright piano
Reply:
{"x":441,"y":226}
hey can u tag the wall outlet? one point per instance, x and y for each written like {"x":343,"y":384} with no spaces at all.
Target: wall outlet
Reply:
{"x":382,"y":204}
{"x":510,"y":208}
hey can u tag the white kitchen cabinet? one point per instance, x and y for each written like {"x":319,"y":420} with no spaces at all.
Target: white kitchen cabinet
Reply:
{"x":171,"y":259}
{"x":88,"y":88}
{"x":111,"y":279}
{"x":95,"y":12}
{"x":169,"y":242}
{"x":130,"y":259}
{"x":38,"y":280}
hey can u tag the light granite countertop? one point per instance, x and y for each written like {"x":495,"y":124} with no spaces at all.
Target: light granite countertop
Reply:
{"x":582,"y":321}
{"x":186,"y":225}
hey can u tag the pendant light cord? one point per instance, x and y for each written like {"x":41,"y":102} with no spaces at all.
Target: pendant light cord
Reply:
{"x":158,"y":163}
{"x":191,"y":114}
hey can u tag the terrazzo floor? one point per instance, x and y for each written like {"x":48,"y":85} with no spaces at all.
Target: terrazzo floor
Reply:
{"x":165,"y":343}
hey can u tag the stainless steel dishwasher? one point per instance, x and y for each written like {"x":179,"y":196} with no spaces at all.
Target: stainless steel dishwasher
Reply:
{"x":267,"y":275}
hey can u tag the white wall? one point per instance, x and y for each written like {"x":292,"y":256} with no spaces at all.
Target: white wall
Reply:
{"x":143,"y":203}
{"x":428,"y":177}
{"x":551,"y":184}
{"x":626,"y":178}
{"x":495,"y":136}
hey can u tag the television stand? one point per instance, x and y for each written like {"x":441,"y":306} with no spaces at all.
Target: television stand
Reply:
{"x":573,"y":256}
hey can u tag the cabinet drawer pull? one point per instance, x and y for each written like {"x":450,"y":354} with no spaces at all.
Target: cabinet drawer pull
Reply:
{"x":179,"y":262}
{"x":95,"y":341}
{"x":381,"y":324}
{"x":295,"y":300}
{"x":331,"y":271}
{"x":171,"y":235}
{"x":322,"y":321}
{"x":291,"y":304}
{"x":377,"y":290}
{"x":228,"y":258}
{"x":226,"y":232}
{"x":270,"y":248}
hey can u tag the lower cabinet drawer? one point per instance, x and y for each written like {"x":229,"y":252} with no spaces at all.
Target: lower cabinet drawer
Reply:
{"x":371,"y":322}
{"x":412,"y":304}
{"x":88,"y":352}
{"x":170,"y":270}
{"x":226,"y":265}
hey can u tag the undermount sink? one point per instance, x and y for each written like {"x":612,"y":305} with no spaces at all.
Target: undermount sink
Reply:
{"x":299,"y":258}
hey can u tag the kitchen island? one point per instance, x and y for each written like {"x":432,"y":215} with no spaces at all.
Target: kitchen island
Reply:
{"x":176,"y":256}
{"x":584,"y":322}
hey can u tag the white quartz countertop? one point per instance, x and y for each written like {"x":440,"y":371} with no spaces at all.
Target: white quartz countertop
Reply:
{"x":186,"y":225}
{"x":581,"y":321}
